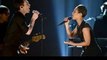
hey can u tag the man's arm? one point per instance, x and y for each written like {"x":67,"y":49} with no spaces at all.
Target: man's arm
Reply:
{"x":32,"y":22}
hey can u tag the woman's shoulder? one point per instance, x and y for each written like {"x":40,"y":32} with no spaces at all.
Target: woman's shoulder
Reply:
{"x":86,"y":25}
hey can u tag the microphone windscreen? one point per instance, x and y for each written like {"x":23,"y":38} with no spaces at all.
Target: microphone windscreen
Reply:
{"x":69,"y":18}
{"x":34,"y":11}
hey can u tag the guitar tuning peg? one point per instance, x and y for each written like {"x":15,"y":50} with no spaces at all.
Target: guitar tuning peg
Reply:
{"x":39,"y":33}
{"x":43,"y":36}
{"x":36,"y":33}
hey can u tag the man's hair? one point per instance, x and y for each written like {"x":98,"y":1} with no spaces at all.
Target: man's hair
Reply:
{"x":82,"y":9}
{"x":4,"y":10}
{"x":17,"y":4}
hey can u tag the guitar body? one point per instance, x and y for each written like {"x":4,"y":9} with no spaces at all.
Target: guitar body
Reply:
{"x":24,"y":47}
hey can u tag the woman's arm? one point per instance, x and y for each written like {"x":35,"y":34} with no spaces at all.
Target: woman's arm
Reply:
{"x":67,"y":27}
{"x":87,"y":39}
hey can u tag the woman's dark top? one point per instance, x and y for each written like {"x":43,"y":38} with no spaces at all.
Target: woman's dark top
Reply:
{"x":93,"y":49}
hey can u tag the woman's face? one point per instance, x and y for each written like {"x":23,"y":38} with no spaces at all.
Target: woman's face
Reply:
{"x":75,"y":14}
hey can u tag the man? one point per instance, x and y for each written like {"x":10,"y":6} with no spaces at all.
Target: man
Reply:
{"x":4,"y":15}
{"x":18,"y":27}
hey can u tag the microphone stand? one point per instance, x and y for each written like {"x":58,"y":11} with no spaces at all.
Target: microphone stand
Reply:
{"x":42,"y":31}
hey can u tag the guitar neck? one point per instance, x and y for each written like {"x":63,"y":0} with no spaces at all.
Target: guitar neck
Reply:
{"x":27,"y":42}
{"x":34,"y":39}
{"x":30,"y":41}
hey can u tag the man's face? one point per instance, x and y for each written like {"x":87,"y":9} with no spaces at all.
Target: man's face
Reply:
{"x":26,"y":6}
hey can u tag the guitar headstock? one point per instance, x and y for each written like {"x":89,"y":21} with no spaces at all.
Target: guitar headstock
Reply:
{"x":38,"y":37}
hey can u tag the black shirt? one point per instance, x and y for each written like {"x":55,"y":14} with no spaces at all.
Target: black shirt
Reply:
{"x":3,"y":27}
{"x":16,"y":29}
{"x":93,"y":49}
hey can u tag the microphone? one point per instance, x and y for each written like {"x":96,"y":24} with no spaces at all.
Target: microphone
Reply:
{"x":35,"y":11}
{"x":40,"y":14}
{"x":69,"y":18}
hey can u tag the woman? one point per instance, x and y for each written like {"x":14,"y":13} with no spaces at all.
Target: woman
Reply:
{"x":84,"y":32}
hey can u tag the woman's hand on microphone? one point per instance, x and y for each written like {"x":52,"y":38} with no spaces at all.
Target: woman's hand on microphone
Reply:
{"x":67,"y":21}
